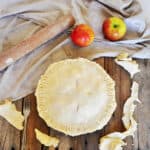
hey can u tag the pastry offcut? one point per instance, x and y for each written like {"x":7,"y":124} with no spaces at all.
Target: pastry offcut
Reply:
{"x":76,"y":96}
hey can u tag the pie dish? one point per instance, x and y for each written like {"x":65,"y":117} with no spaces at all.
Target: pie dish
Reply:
{"x":76,"y":96}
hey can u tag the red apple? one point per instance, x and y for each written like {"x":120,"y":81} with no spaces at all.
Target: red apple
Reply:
{"x":114,"y":28}
{"x":82,"y":35}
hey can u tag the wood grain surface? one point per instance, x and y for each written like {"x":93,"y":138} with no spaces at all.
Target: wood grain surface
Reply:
{"x":11,"y":138}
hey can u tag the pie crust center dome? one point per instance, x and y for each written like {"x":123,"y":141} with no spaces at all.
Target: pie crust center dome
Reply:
{"x":76,"y":96}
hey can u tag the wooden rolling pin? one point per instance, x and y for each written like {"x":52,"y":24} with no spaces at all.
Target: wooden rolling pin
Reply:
{"x":9,"y":56}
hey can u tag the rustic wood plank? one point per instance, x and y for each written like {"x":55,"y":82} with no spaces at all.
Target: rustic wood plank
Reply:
{"x":115,"y":124}
{"x":124,"y":94}
{"x":65,"y":143}
{"x":139,"y":79}
{"x":93,"y":140}
{"x":9,"y":136}
{"x":143,"y":110}
{"x":100,"y":61}
{"x":77,"y":143}
{"x":34,"y":122}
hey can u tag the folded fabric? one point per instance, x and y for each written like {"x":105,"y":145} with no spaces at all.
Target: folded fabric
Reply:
{"x":19,"y":19}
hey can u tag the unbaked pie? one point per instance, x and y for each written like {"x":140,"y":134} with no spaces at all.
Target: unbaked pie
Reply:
{"x":76,"y":96}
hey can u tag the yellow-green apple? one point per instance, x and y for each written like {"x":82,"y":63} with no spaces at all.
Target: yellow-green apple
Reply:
{"x":82,"y":35}
{"x":114,"y":28}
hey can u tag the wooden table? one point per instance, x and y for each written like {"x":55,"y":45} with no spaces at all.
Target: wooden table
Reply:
{"x":11,"y":138}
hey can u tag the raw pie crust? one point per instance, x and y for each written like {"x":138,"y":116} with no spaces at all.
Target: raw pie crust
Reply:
{"x":76,"y":96}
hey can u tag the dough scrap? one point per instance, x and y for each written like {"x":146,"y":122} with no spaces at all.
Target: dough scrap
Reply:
{"x":128,"y":64}
{"x":45,"y":139}
{"x":114,"y":141}
{"x":9,"y":112}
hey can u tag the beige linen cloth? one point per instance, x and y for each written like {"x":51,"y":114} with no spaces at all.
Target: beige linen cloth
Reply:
{"x":19,"y":19}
